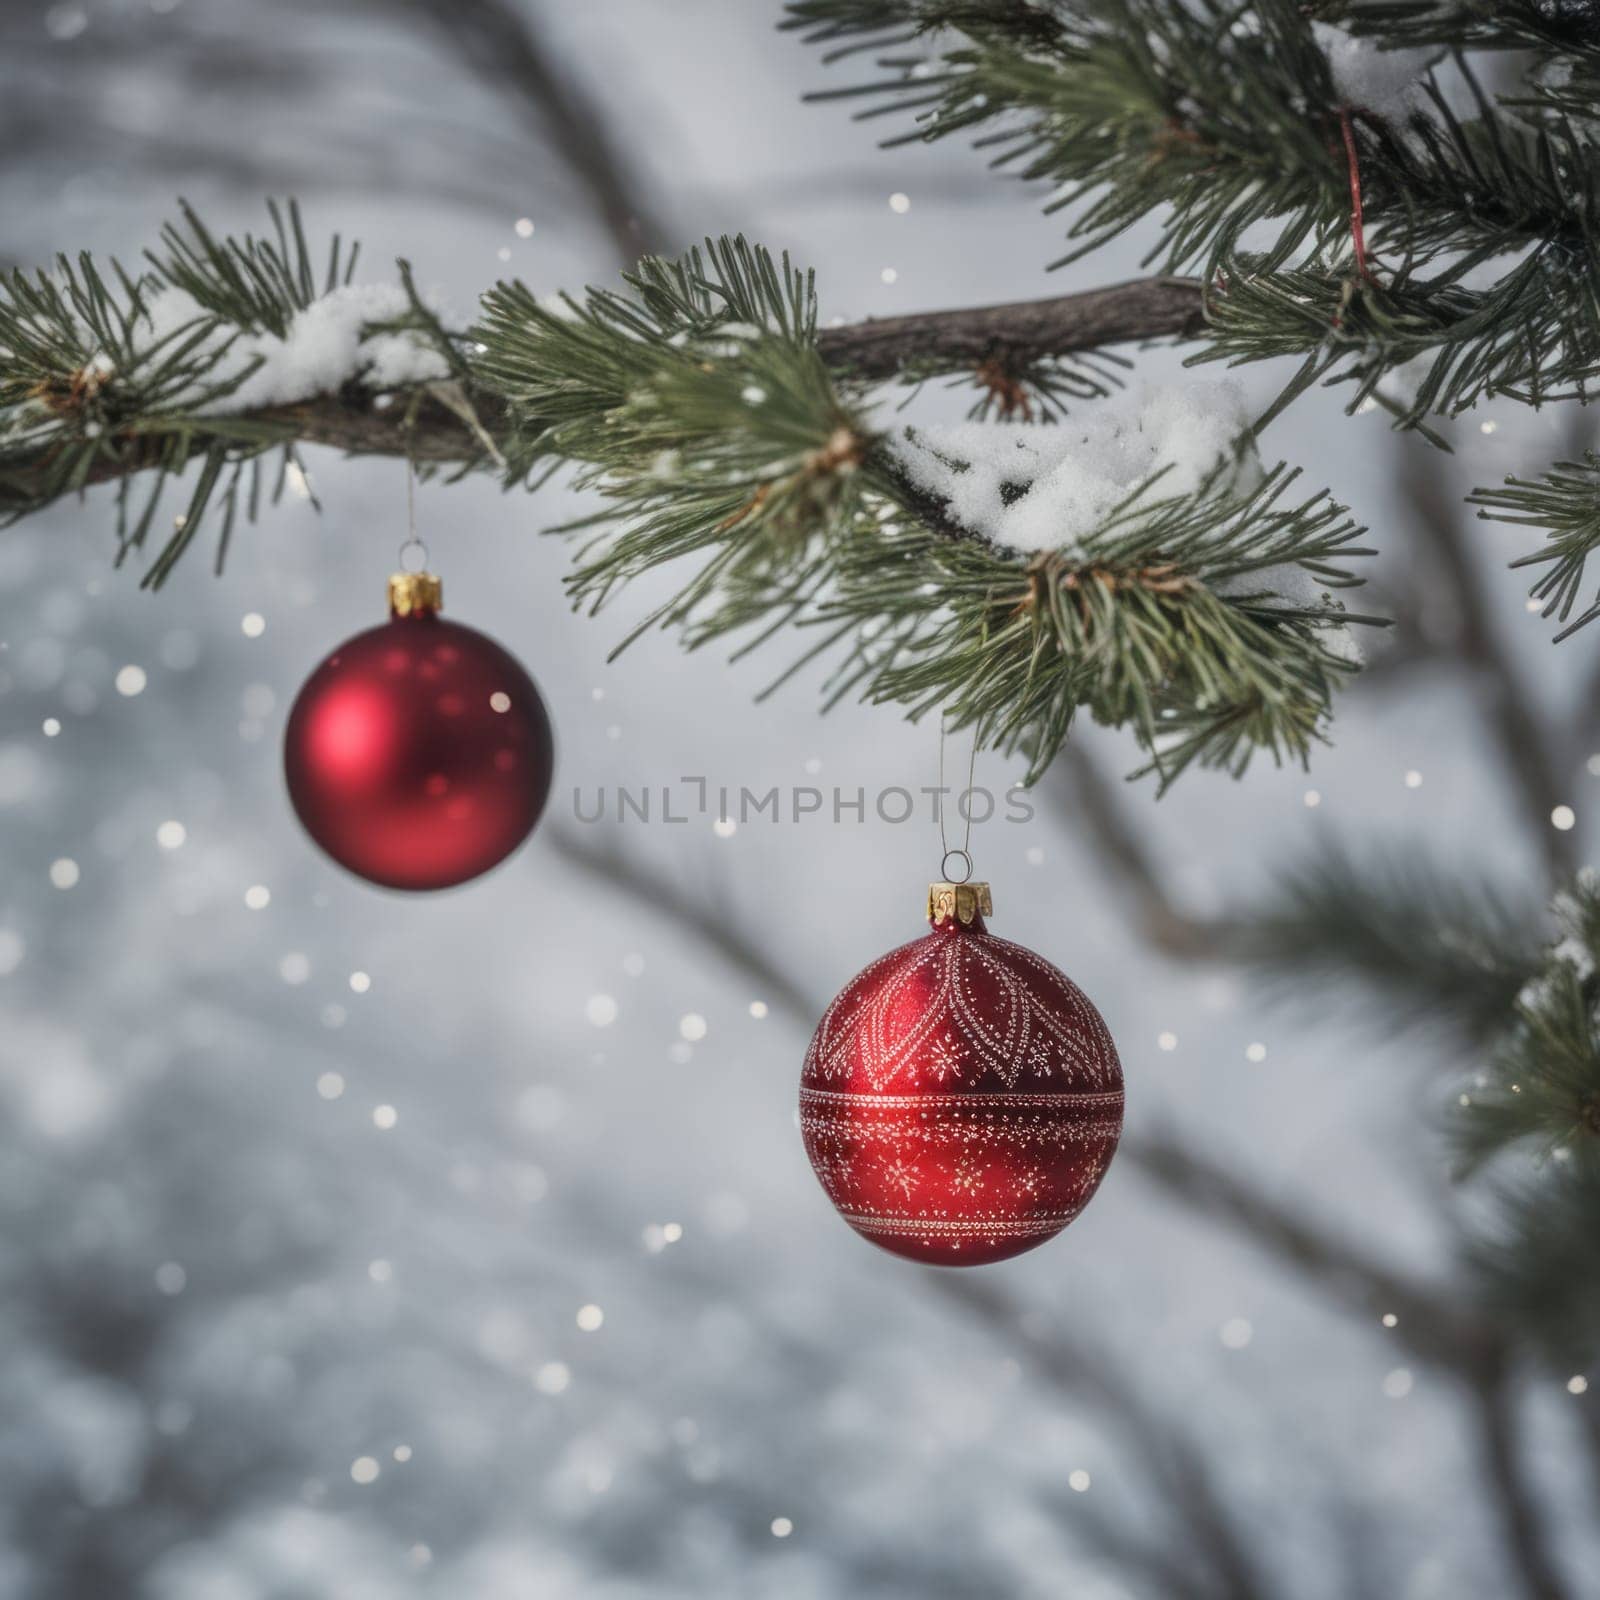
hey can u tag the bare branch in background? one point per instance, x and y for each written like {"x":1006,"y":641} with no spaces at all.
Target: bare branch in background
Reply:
{"x":1177,"y":1466}
{"x":59,"y":114}
{"x":1510,"y":708}
{"x":1085,"y":803}
{"x":1527,"y":1547}
{"x":1428,"y":1323}
{"x":505,"y":46}
{"x":719,"y":934}
{"x":68,"y":117}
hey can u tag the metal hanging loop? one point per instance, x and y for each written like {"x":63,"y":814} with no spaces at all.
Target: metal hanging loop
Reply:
{"x":412,"y":547}
{"x":966,"y":843}
{"x":945,"y":873}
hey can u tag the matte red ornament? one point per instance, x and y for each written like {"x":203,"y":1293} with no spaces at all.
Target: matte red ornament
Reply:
{"x":419,"y":754}
{"x":961,"y":1098}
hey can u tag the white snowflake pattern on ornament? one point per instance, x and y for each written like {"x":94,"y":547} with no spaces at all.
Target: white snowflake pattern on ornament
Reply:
{"x":841,"y":1170}
{"x":945,"y":1057}
{"x":1041,"y":1058}
{"x":968,"y":1176}
{"x":902,"y":1175}
{"x":866,"y":1029}
{"x":1029,"y":1183}
{"x":1088,"y":1176}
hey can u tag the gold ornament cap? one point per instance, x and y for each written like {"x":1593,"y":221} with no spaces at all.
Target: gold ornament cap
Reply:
{"x":964,"y":902}
{"x":413,"y":594}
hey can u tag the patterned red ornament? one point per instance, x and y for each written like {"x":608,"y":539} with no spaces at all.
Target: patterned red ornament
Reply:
{"x":419,"y":754}
{"x":961,"y":1098}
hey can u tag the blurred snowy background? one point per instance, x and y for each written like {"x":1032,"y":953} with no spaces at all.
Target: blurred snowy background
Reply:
{"x":359,"y":1247}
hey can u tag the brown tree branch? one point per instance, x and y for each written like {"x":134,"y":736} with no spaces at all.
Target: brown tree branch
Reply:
{"x":393,"y":425}
{"x":354,"y":421}
{"x":1019,"y":333}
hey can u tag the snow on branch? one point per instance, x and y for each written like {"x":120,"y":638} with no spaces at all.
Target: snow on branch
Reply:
{"x":207,"y":355}
{"x":1135,"y":560}
{"x":1339,"y":205}
{"x":1368,"y":77}
{"x":1431,"y":245}
{"x":354,"y":334}
{"x":711,"y":418}
{"x":1030,"y":489}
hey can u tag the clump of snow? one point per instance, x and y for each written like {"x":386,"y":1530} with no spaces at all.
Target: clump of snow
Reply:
{"x":1571,"y":950}
{"x":1031,"y":488}
{"x":1292,"y":588}
{"x":1576,"y":955}
{"x":1365,"y":77}
{"x":1042,"y":488}
{"x":324,"y":347}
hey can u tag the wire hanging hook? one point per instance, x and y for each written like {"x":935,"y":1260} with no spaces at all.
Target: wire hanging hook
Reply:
{"x":965,"y":848}
{"x":945,"y":874}
{"x":412,"y":543}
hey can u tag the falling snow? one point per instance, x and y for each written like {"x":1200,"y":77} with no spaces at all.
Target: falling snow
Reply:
{"x":401,"y":1219}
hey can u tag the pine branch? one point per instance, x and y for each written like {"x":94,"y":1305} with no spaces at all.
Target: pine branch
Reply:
{"x":1553,"y":27}
{"x":1539,"y":1262}
{"x":1425,"y":945}
{"x":356,"y":422}
{"x":1543,"y":1083}
{"x":1437,"y":951}
{"x":406,"y":421}
{"x":1143,"y":626}
{"x":1136,"y":109}
{"x":711,"y":419}
{"x":700,"y":409}
{"x":1566,"y":502}
{"x":1116,"y":105}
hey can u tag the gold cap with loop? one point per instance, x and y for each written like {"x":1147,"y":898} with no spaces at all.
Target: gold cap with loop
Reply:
{"x":415,"y":593}
{"x":963,"y":901}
